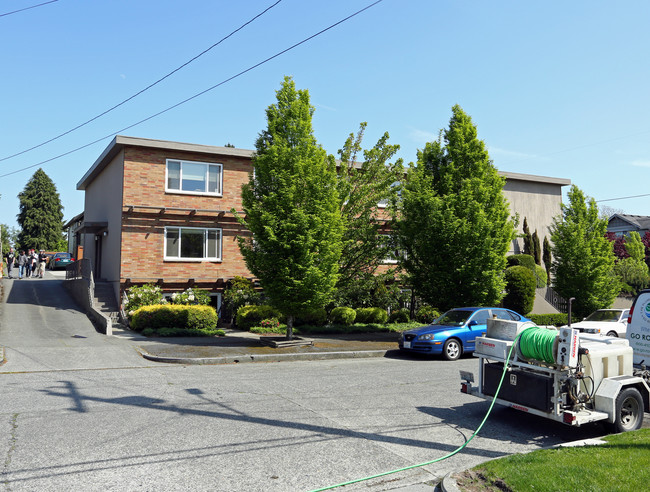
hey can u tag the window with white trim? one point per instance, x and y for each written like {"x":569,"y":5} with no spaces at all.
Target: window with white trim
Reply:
{"x":192,"y":244}
{"x":196,"y":178}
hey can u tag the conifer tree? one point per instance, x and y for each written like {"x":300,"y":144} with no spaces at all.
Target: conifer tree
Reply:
{"x":548,"y":259}
{"x":292,"y":209}
{"x":528,"y":240}
{"x":537,"y":249}
{"x":40,"y":214}
{"x":455,"y":226}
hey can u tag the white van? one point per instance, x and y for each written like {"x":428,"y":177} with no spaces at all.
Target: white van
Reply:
{"x":638,"y":328}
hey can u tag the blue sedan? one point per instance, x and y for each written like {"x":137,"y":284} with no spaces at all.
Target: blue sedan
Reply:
{"x":455,"y":332}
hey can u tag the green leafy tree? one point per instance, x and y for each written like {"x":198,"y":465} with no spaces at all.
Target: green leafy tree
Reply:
{"x":362,"y":186}
{"x":40,"y":215}
{"x":9,"y":235}
{"x":292,"y":209}
{"x":455,"y":227}
{"x":633,"y":271}
{"x":583,"y":265}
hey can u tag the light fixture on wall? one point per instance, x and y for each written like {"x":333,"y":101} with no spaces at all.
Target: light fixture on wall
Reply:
{"x":105,"y":233}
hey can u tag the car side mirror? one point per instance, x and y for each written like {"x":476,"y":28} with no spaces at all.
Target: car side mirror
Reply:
{"x":472,"y":323}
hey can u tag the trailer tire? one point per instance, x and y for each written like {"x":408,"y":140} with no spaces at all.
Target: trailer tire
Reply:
{"x":452,"y":349}
{"x":629,"y":411}
{"x":612,"y":334}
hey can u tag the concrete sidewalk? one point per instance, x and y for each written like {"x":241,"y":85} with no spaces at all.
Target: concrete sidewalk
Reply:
{"x":242,"y":346}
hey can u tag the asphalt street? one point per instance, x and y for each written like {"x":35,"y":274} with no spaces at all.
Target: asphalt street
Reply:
{"x":82,"y":411}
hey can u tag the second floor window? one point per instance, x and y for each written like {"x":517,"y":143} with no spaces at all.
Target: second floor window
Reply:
{"x":194,"y":177}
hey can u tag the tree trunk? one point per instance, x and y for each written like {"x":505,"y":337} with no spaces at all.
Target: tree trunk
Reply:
{"x":290,"y":327}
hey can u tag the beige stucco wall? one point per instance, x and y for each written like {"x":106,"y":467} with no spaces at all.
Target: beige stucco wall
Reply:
{"x":538,"y":202}
{"x":103,"y":203}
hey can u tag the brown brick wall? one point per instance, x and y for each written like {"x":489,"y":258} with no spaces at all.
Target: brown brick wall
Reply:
{"x":143,"y":230}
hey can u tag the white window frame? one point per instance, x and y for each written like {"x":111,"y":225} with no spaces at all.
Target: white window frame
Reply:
{"x":205,"y":230}
{"x":207,"y":165}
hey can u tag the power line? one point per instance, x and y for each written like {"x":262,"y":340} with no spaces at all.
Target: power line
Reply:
{"x":27,"y":8}
{"x":622,"y":198}
{"x":200,"y":93}
{"x":141,"y":91}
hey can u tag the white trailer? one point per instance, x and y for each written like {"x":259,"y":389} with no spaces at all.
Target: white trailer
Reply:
{"x":588,"y":378}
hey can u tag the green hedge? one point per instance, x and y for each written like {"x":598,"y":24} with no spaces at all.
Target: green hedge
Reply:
{"x":522,"y":260}
{"x":249,"y":316}
{"x":520,"y":289}
{"x":312,"y":317}
{"x":426,"y":314}
{"x":372,"y":315}
{"x":343,"y":316}
{"x":556,"y":319}
{"x":400,"y":316}
{"x":171,"y":316}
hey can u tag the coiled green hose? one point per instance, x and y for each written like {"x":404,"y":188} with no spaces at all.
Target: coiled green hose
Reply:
{"x":537,"y":343}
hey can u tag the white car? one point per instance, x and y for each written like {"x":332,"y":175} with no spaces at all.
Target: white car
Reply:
{"x":610,"y":322}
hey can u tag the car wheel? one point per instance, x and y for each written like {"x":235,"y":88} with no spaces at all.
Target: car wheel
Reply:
{"x":612,"y":334}
{"x":629,"y":411}
{"x":452,"y":349}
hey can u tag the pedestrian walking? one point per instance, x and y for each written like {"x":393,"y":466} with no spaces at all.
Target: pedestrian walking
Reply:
{"x":11,"y":258}
{"x":42,"y":260}
{"x":22,"y":263}
{"x":34,"y":263}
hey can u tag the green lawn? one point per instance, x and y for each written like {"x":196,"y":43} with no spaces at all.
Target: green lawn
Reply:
{"x":623,"y":463}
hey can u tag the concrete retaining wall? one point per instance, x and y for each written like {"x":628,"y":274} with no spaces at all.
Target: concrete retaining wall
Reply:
{"x":81,"y":290}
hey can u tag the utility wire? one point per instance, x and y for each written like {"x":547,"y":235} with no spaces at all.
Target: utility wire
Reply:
{"x":200,"y":93}
{"x":622,"y":198}
{"x":27,"y":8}
{"x":143,"y":90}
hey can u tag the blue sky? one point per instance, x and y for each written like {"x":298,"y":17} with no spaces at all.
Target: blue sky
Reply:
{"x":555,"y":88}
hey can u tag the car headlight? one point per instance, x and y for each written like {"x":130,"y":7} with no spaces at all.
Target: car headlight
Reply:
{"x":426,"y":336}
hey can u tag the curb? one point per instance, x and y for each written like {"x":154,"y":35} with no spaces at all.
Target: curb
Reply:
{"x":234,"y":359}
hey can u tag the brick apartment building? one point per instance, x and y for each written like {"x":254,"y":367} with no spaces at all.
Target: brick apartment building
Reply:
{"x":161,"y":212}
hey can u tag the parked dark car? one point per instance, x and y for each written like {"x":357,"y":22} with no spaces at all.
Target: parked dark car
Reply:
{"x":455,"y":332}
{"x":59,"y":260}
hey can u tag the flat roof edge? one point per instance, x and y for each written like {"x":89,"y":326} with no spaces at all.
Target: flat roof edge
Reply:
{"x":535,"y":179}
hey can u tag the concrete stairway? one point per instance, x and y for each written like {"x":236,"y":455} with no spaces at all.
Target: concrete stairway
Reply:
{"x":105,"y":301}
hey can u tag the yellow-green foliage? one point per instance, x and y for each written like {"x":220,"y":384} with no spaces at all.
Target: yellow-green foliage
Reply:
{"x":194,"y":317}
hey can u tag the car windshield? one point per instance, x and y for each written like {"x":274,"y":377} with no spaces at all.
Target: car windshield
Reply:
{"x":604,"y":316}
{"x":455,"y":317}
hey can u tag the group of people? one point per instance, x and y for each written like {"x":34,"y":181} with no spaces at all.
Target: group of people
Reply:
{"x":30,"y":264}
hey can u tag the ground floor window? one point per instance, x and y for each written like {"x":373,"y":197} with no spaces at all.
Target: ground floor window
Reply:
{"x":192,"y":243}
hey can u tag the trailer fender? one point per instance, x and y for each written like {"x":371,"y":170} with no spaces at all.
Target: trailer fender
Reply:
{"x":609,"y":389}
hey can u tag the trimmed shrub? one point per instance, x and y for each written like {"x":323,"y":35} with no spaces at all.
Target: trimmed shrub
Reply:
{"x":555,"y":319}
{"x":522,"y":260}
{"x":312,"y":317}
{"x":520,"y":289}
{"x":248,"y":316}
{"x":270,"y":324}
{"x":372,"y":315}
{"x":541,"y":276}
{"x":193,"y":318}
{"x":343,"y":316}
{"x":426,"y":314}
{"x":399,"y":316}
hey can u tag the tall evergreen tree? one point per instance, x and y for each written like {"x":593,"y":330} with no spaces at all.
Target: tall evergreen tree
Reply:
{"x":292,"y":209}
{"x":40,"y":215}
{"x":548,"y":258}
{"x":537,"y":248}
{"x":583,"y":264}
{"x":455,"y":226}
{"x":361,"y":187}
{"x":528,"y":240}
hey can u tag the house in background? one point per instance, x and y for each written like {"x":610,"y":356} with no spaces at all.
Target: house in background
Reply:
{"x":161,"y":212}
{"x":622,"y":224}
{"x":538,"y":199}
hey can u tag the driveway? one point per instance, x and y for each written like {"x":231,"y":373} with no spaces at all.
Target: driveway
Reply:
{"x":42,"y":329}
